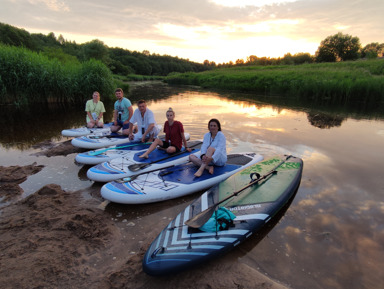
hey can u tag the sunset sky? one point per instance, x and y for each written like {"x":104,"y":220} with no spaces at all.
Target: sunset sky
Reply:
{"x":216,"y":30}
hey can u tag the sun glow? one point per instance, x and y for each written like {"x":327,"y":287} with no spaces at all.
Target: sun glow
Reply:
{"x":234,"y":41}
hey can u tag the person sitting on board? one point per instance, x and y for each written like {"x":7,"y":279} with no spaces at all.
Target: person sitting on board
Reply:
{"x":174,"y":136}
{"x":95,"y":109}
{"x":123,"y":112}
{"x":213,"y":149}
{"x":145,"y":119}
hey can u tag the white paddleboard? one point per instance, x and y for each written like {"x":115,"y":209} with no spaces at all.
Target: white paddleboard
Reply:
{"x":122,"y":167}
{"x":101,"y":140}
{"x":99,"y":156}
{"x":84,"y":131}
{"x":173,"y":182}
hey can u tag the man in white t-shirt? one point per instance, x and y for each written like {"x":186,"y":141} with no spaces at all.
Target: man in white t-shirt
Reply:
{"x":146,"y":124}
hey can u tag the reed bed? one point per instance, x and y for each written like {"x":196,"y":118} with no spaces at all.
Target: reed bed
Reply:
{"x":28,"y":77}
{"x":332,"y":82}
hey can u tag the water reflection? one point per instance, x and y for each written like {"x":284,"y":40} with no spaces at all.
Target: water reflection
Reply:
{"x":332,"y":235}
{"x":24,"y":127}
{"x":323,"y":120}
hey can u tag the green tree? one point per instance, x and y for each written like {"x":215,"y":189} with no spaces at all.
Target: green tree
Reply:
{"x":338,"y":47}
{"x":59,"y":54}
{"x":16,"y":37}
{"x":95,"y":50}
{"x":373,"y":50}
{"x":252,"y":59}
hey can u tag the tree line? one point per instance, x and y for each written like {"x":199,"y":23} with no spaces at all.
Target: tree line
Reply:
{"x":334,"y":48}
{"x":119,"y":61}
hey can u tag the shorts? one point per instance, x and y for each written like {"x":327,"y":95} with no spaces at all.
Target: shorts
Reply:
{"x":167,"y":145}
{"x":121,"y":123}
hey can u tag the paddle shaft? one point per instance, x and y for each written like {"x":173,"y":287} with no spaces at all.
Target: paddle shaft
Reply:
{"x":136,"y":167}
{"x":201,"y":218}
{"x":133,"y":177}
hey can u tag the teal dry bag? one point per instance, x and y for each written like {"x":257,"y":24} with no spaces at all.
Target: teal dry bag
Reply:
{"x":220,"y":220}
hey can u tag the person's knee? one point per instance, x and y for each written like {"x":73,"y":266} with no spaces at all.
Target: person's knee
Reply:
{"x":115,"y":128}
{"x":210,"y":151}
{"x":125,"y":131}
{"x":192,"y":158}
{"x":171,"y":150}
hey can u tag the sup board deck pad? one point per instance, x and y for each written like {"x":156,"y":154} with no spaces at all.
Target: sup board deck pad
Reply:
{"x":179,"y":247}
{"x":108,"y":135}
{"x":159,"y":154}
{"x":185,"y":173}
{"x":264,"y":194}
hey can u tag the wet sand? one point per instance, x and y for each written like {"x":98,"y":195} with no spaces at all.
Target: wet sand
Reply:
{"x":59,"y":239}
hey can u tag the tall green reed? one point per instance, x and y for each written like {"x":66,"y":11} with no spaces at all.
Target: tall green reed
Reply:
{"x":29,"y":77}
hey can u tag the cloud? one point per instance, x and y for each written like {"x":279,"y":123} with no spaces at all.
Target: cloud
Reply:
{"x":53,"y":5}
{"x":167,"y":25}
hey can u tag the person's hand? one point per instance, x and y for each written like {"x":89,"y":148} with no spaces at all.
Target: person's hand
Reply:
{"x":188,"y":149}
{"x":143,"y":138}
{"x":207,"y":160}
{"x":131,"y":136}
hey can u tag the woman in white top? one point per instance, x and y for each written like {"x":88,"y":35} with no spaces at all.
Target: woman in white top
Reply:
{"x":213,"y":149}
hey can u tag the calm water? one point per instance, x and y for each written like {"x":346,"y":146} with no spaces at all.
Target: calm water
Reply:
{"x":331,"y":236}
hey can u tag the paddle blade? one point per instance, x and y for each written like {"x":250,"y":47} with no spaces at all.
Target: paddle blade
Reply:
{"x":201,"y":218}
{"x":137,"y":167}
{"x":96,"y":153}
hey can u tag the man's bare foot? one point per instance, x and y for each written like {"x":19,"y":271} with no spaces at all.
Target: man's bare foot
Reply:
{"x":211,"y":170}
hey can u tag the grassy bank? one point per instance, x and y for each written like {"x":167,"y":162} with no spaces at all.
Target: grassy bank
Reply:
{"x":332,"y":82}
{"x":29,"y":77}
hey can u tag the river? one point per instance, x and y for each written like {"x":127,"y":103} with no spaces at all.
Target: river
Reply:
{"x":331,"y":236}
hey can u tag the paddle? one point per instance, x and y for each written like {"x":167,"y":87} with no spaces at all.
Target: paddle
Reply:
{"x":99,"y":152}
{"x":133,"y":177}
{"x":136,"y":167}
{"x":201,"y":218}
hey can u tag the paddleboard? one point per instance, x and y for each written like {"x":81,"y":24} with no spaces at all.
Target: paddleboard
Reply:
{"x":84,"y":131}
{"x":119,"y":168}
{"x":101,"y":140}
{"x":173,"y":182}
{"x":99,"y":156}
{"x":179,"y":247}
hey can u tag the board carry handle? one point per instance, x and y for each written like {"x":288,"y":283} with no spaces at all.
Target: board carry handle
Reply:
{"x":201,"y":218}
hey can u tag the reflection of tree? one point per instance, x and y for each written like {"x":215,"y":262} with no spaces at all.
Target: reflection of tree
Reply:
{"x":322,"y":120}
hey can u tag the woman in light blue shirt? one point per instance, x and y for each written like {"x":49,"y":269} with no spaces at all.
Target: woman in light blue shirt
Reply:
{"x":213,"y":149}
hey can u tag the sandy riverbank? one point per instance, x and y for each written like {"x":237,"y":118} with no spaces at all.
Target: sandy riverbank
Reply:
{"x":59,"y":239}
